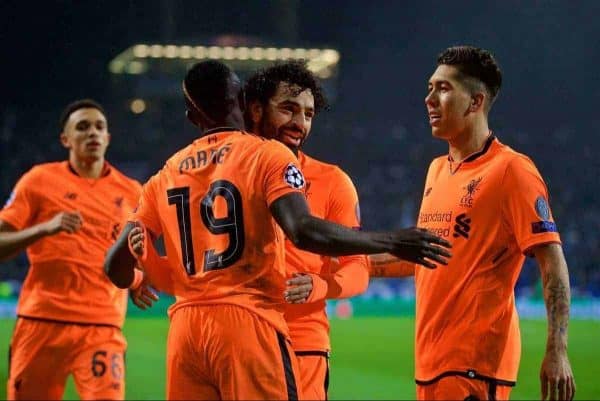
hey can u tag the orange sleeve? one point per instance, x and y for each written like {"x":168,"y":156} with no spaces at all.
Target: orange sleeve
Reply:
{"x":154,"y":266}
{"x":21,"y":205}
{"x":282,"y":174}
{"x":348,"y":275}
{"x":158,"y":271}
{"x":386,"y":265}
{"x":346,"y":281}
{"x":146,"y":211}
{"x":526,"y":209}
{"x":138,"y":277}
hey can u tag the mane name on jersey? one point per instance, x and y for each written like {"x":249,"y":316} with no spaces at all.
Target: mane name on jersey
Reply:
{"x":205,"y":157}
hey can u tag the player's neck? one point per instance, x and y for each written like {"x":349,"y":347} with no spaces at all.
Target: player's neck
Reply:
{"x":229,"y":122}
{"x":468,"y":142}
{"x":86,"y":168}
{"x":217,"y":128}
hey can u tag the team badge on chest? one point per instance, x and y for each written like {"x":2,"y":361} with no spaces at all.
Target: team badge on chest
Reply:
{"x":471,"y":188}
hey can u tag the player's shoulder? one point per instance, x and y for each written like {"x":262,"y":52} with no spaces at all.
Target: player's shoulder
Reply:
{"x":124,"y":179}
{"x":182,"y":154}
{"x":438,"y":163}
{"x":240,"y":140}
{"x":510,"y":159}
{"x":333,"y":172}
{"x":271,"y":145}
{"x":271,"y":149}
{"x":318,"y":165}
{"x":42,"y":170}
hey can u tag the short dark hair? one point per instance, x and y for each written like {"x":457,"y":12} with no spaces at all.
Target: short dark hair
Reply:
{"x":475,"y":63}
{"x":263,"y":84}
{"x":207,"y":87}
{"x":76,"y":105}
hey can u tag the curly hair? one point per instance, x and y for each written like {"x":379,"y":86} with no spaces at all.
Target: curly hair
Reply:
{"x":474,"y":63}
{"x":76,"y":105}
{"x":263,"y":84}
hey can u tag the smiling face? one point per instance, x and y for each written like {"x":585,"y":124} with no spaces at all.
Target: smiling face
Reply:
{"x":86,"y":135}
{"x":450,"y":103}
{"x":287,"y":116}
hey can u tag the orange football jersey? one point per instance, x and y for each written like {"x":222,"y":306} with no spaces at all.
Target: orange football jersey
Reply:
{"x":66,"y":280}
{"x":492,"y":207}
{"x":211,"y":204}
{"x":332,"y":196}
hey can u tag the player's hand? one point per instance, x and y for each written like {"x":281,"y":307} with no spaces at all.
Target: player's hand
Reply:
{"x":63,"y":221}
{"x":298,"y":288}
{"x":420,"y":246}
{"x":136,"y":240}
{"x":143,"y":296}
{"x":556,"y":377}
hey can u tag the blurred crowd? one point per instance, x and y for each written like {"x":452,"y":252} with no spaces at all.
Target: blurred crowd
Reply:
{"x":387,"y":161}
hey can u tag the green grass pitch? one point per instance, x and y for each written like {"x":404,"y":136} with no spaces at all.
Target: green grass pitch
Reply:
{"x":372,"y":358}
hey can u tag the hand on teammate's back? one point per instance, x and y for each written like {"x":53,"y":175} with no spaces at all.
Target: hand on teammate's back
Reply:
{"x":420,"y":246}
{"x":298,"y":288}
{"x":64,"y":221}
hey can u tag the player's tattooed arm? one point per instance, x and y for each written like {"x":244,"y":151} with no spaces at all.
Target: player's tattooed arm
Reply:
{"x":556,"y":375}
{"x":119,"y":263}
{"x":557,"y":294}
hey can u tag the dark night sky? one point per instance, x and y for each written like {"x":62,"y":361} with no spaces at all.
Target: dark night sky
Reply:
{"x":58,"y":50}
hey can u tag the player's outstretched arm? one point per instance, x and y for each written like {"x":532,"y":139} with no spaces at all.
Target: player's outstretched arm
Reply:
{"x":119,"y":263}
{"x":14,"y":241}
{"x":347,"y":278}
{"x":326,"y":238}
{"x":386,"y":265}
{"x":556,"y":375}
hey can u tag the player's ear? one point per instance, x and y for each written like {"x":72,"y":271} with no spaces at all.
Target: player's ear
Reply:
{"x":256,"y":111}
{"x":477,"y":101}
{"x":108,"y":138}
{"x":64,"y":139}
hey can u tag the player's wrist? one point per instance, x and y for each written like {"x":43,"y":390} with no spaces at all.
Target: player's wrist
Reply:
{"x":556,"y":348}
{"x":384,"y":242}
{"x":138,"y":277}
{"x":319,"y":288}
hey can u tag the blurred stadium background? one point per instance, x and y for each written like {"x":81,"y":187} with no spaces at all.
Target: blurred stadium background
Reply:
{"x":374,"y":59}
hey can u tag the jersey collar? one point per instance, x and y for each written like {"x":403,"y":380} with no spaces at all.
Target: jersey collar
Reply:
{"x":220,"y":129}
{"x":472,"y":157}
{"x":106,"y":168}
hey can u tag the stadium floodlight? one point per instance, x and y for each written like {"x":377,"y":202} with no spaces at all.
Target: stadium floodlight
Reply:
{"x":137,"y":106}
{"x":140,"y":58}
{"x":185,"y":52}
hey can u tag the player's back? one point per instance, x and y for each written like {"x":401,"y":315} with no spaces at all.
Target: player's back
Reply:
{"x":221,"y":240}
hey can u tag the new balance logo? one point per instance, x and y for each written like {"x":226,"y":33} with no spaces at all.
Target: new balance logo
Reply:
{"x":462,"y":226}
